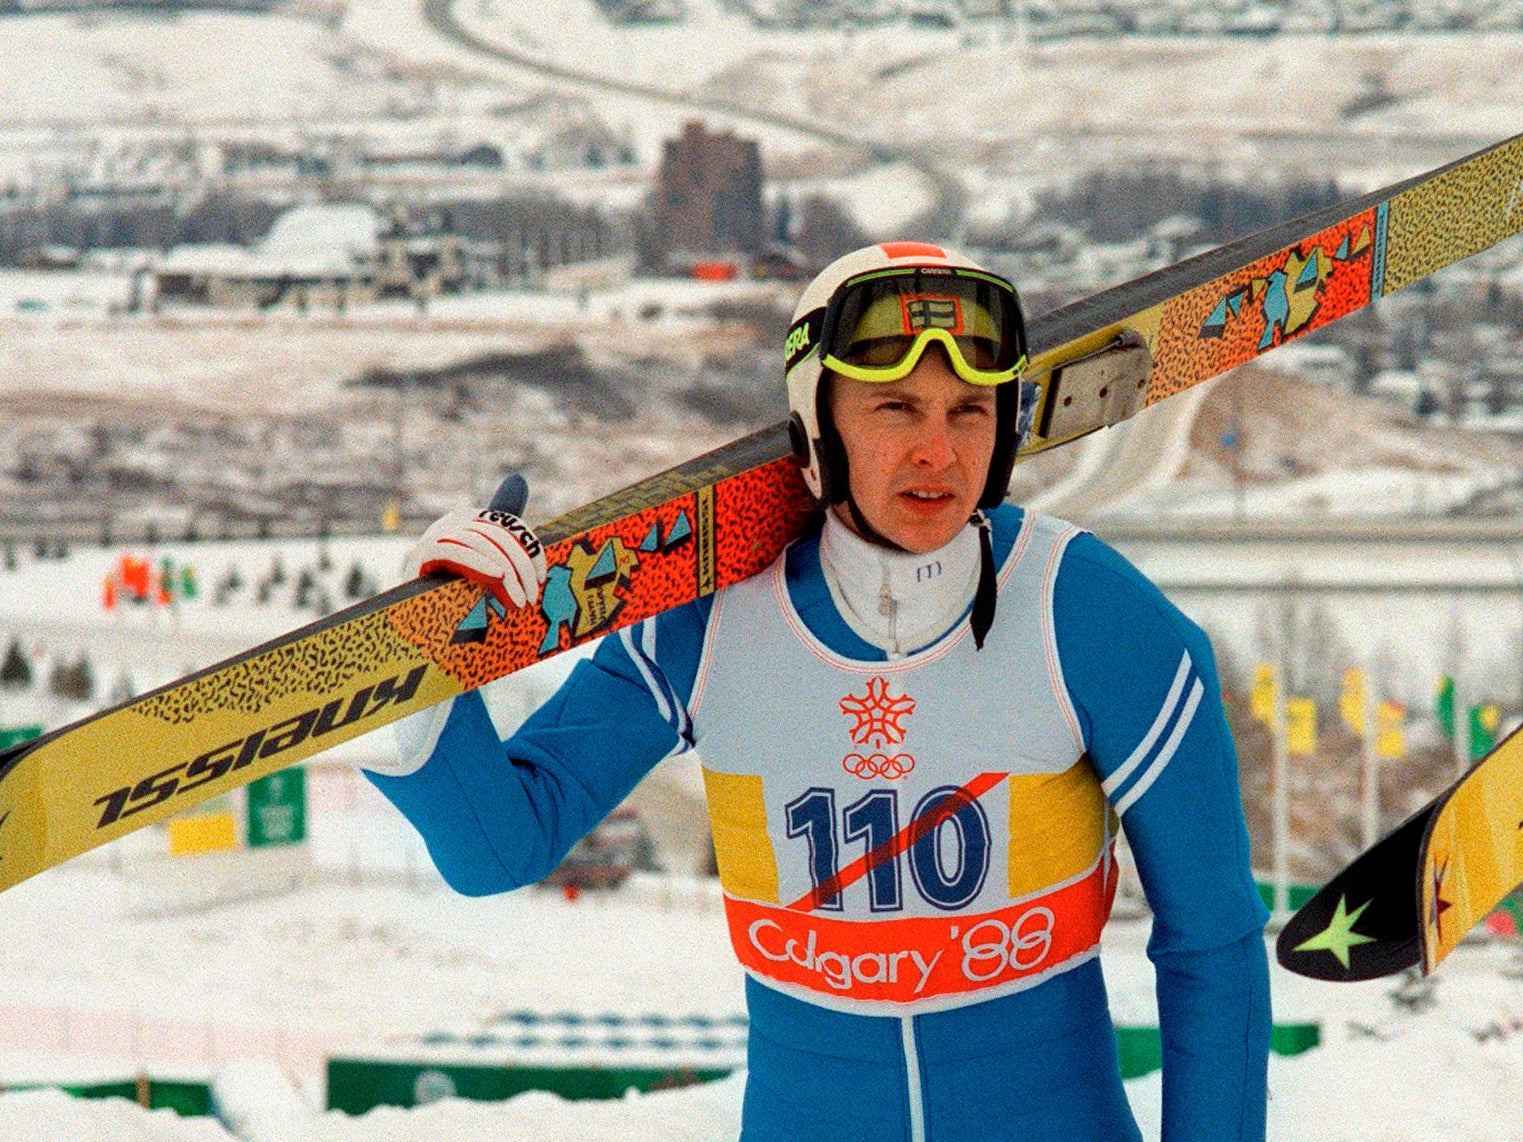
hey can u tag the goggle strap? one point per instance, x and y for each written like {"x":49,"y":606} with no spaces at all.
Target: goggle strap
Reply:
{"x":803,"y":336}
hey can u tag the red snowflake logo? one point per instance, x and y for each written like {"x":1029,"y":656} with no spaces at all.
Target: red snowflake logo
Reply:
{"x":877,"y":715}
{"x":878,"y":722}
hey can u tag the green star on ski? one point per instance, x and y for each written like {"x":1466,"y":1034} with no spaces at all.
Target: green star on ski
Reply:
{"x":1339,"y":935}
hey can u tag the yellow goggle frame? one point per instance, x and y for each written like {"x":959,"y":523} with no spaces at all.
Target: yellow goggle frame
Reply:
{"x":885,"y":374}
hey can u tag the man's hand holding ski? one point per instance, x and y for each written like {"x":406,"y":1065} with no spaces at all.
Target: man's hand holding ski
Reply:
{"x":493,"y":548}
{"x":490,"y":547}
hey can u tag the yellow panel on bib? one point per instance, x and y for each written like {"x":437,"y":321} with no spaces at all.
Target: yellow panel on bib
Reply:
{"x":738,"y":818}
{"x":1059,"y":823}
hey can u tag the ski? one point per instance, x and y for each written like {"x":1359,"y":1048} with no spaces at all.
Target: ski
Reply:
{"x":711,"y":522}
{"x":1411,"y":898}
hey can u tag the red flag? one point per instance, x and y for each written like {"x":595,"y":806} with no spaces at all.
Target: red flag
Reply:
{"x":133,"y":574}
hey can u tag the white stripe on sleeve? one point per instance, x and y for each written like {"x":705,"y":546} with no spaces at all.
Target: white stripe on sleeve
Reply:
{"x":1145,"y":747}
{"x":637,"y":656}
{"x":1169,"y":748}
{"x":679,"y":717}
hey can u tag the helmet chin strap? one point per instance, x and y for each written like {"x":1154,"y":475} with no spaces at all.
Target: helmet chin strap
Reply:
{"x":866,"y":530}
{"x":985,"y":595}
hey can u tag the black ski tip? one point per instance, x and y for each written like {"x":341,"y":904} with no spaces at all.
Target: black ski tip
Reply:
{"x":1366,"y":922}
{"x":1345,"y":939}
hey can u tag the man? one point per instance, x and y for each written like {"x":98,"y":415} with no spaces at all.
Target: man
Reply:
{"x":920,"y":729}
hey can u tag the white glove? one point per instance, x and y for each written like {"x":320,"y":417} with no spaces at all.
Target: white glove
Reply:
{"x":493,"y":548}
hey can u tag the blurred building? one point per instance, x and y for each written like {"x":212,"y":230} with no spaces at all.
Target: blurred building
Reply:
{"x":709,"y":200}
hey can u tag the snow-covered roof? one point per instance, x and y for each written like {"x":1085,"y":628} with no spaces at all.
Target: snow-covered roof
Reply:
{"x":318,"y":240}
{"x":304,"y":233}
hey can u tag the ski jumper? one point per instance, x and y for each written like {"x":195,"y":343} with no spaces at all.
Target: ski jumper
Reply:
{"x":916,"y":852}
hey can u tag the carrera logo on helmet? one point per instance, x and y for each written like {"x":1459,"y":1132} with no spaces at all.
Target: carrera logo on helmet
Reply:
{"x":801,"y":338}
{"x":931,"y":311}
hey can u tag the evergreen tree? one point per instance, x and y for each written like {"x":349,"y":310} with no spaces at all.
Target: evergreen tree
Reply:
{"x":74,"y":680}
{"x":354,"y":583}
{"x":227,"y":586}
{"x":306,"y":582}
{"x":15,"y":671}
{"x":84,"y":679}
{"x":122,"y":690}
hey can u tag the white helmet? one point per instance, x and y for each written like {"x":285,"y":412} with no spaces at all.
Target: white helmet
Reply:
{"x":870,"y":315}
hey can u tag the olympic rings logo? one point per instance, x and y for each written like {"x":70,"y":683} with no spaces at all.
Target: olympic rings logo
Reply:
{"x":878,"y":765}
{"x":1020,"y":947}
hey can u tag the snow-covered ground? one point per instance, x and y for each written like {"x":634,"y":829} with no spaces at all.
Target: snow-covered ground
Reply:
{"x":252,"y":995}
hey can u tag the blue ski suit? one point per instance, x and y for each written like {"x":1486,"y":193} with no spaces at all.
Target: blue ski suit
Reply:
{"x":922,"y":963}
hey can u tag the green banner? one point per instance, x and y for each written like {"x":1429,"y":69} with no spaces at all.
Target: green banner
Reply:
{"x":1296,"y":894}
{"x":1484,"y":721}
{"x":1141,"y":1048}
{"x":189,"y":1099}
{"x":277,"y":808}
{"x":1443,"y":705}
{"x":359,"y":1085}
{"x":15,"y":735}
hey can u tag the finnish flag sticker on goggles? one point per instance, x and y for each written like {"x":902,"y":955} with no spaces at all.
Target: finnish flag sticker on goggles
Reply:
{"x":877,"y":327}
{"x":930,"y":311}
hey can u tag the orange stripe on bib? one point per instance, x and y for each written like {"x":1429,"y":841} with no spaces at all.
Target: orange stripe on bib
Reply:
{"x":913,"y":959}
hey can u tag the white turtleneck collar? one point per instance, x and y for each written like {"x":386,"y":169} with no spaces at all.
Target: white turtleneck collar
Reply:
{"x":895,"y":600}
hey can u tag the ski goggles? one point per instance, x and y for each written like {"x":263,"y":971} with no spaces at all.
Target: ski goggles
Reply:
{"x":878,"y":325}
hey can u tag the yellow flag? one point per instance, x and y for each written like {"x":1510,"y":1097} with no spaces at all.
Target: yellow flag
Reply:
{"x":1300,"y":726}
{"x":1265,"y":692}
{"x":1390,"y":735}
{"x":1354,"y":700}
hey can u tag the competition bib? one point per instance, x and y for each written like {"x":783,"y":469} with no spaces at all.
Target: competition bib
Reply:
{"x":919,"y":833}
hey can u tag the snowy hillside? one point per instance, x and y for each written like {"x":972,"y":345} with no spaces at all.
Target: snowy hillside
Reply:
{"x":113,"y":94}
